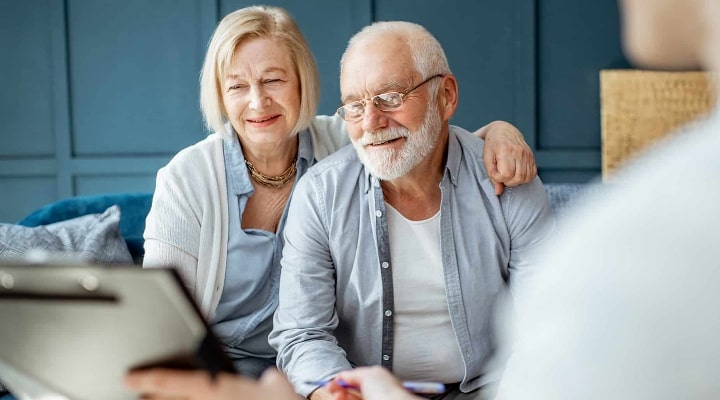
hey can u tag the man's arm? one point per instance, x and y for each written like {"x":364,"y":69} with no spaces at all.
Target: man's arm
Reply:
{"x":507,"y":157}
{"x":530,"y":222}
{"x":305,"y":320}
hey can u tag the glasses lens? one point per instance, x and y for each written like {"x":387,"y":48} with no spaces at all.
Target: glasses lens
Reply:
{"x":352,"y":110}
{"x":388,"y":101}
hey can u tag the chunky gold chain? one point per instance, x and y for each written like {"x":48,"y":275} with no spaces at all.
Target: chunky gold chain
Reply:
{"x":275,"y":182}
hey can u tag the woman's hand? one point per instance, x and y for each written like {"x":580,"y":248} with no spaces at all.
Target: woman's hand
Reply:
{"x":507,"y":157}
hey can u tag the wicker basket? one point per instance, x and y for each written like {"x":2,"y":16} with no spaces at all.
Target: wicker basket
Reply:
{"x":638,"y":107}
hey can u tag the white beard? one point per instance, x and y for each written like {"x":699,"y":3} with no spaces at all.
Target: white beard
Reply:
{"x":390,"y":164}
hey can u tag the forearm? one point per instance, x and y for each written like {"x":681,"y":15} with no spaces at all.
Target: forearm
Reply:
{"x":304,"y":339}
{"x":498,"y":124}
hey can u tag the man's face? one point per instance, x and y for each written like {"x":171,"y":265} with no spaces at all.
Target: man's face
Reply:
{"x":663,"y":33}
{"x":389,"y":143}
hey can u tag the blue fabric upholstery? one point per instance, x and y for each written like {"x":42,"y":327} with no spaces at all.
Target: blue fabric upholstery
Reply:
{"x":134,"y":207}
{"x":562,"y":194}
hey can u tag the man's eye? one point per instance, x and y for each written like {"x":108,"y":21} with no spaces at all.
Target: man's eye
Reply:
{"x":388,"y":99}
{"x":354,"y":108}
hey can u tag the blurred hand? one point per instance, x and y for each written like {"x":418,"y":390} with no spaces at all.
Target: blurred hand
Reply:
{"x":507,"y":157}
{"x":197,"y":385}
{"x":321,"y":393}
{"x":374,"y":383}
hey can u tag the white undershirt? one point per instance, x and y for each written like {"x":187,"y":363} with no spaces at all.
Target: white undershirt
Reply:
{"x":425,"y":346}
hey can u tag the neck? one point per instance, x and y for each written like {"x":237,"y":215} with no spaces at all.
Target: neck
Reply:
{"x":273,"y":158}
{"x":416,"y":195}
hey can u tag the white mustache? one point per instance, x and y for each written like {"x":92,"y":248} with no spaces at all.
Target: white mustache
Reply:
{"x":384,"y":135}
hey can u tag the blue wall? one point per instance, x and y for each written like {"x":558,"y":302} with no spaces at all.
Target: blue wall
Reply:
{"x":98,"y":94}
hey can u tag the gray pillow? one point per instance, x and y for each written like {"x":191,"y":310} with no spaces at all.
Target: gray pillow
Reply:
{"x":93,"y":238}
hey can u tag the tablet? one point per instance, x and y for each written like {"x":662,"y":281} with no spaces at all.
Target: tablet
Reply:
{"x":76,"y":330}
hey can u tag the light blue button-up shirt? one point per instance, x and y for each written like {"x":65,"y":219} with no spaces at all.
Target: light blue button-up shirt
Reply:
{"x":336,"y":281}
{"x":243,"y":318}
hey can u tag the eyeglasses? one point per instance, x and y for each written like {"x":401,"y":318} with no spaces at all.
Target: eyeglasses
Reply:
{"x":384,"y":102}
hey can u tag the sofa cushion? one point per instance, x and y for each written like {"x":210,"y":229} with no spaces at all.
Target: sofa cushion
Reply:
{"x":133,"y":206}
{"x":93,"y":238}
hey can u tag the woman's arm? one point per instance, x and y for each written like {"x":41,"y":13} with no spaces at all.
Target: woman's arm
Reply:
{"x":507,"y":157}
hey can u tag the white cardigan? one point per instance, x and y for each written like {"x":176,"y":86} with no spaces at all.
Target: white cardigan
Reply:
{"x":187,"y":225}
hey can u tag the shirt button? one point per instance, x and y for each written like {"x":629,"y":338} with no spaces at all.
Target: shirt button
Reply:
{"x":385,"y":264}
{"x":378,"y":213}
{"x":386,"y":357}
{"x":388,"y":313}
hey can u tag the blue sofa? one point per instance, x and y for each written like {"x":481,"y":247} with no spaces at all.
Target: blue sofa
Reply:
{"x":135,"y":206}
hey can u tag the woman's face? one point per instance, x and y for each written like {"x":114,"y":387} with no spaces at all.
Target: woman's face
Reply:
{"x":261,"y":92}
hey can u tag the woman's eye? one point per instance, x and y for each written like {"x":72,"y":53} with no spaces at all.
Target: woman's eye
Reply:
{"x":272,"y":81}
{"x":236,"y":87}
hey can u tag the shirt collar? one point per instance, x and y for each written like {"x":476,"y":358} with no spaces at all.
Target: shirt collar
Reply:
{"x":454,"y":153}
{"x":452,"y":165}
{"x":238,"y":177}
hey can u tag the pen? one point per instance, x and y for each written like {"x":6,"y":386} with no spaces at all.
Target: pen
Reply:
{"x":412,"y":386}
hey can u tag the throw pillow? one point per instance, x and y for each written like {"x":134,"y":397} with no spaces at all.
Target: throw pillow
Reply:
{"x":93,"y":238}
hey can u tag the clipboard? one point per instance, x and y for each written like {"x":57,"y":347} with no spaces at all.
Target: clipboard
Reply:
{"x":76,"y":330}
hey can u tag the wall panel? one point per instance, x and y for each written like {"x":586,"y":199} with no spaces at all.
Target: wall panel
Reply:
{"x":26,"y":108}
{"x":20,"y":195}
{"x":134,"y":68}
{"x":108,"y":183}
{"x":575,"y":40}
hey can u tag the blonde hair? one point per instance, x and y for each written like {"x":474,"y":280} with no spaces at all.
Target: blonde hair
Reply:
{"x":233,"y":30}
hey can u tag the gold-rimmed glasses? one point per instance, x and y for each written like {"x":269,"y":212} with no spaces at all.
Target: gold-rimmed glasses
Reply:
{"x":384,"y":102}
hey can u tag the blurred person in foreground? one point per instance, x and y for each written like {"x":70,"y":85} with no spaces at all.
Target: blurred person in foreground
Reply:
{"x":220,"y":206}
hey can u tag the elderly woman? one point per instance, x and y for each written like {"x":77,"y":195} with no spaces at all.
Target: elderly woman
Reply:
{"x":219,"y":206}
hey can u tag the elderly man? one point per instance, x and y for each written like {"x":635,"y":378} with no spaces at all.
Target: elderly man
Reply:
{"x":397,"y":250}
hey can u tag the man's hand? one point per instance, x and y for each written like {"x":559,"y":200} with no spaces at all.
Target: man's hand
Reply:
{"x":507,"y":157}
{"x":197,"y":385}
{"x":374,"y":383}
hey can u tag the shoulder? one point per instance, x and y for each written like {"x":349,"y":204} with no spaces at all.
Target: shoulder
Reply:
{"x":191,"y":157}
{"x":468,"y":141}
{"x":339,"y":163}
{"x":335,"y":176}
{"x":328,"y":134}
{"x":465,"y":150}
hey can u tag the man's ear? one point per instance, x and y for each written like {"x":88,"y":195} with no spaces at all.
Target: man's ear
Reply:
{"x":448,"y":97}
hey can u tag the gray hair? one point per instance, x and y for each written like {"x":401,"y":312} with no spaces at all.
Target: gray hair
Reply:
{"x":427,"y":53}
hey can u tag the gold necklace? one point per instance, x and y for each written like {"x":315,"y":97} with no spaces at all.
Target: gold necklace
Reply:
{"x":274,"y":182}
